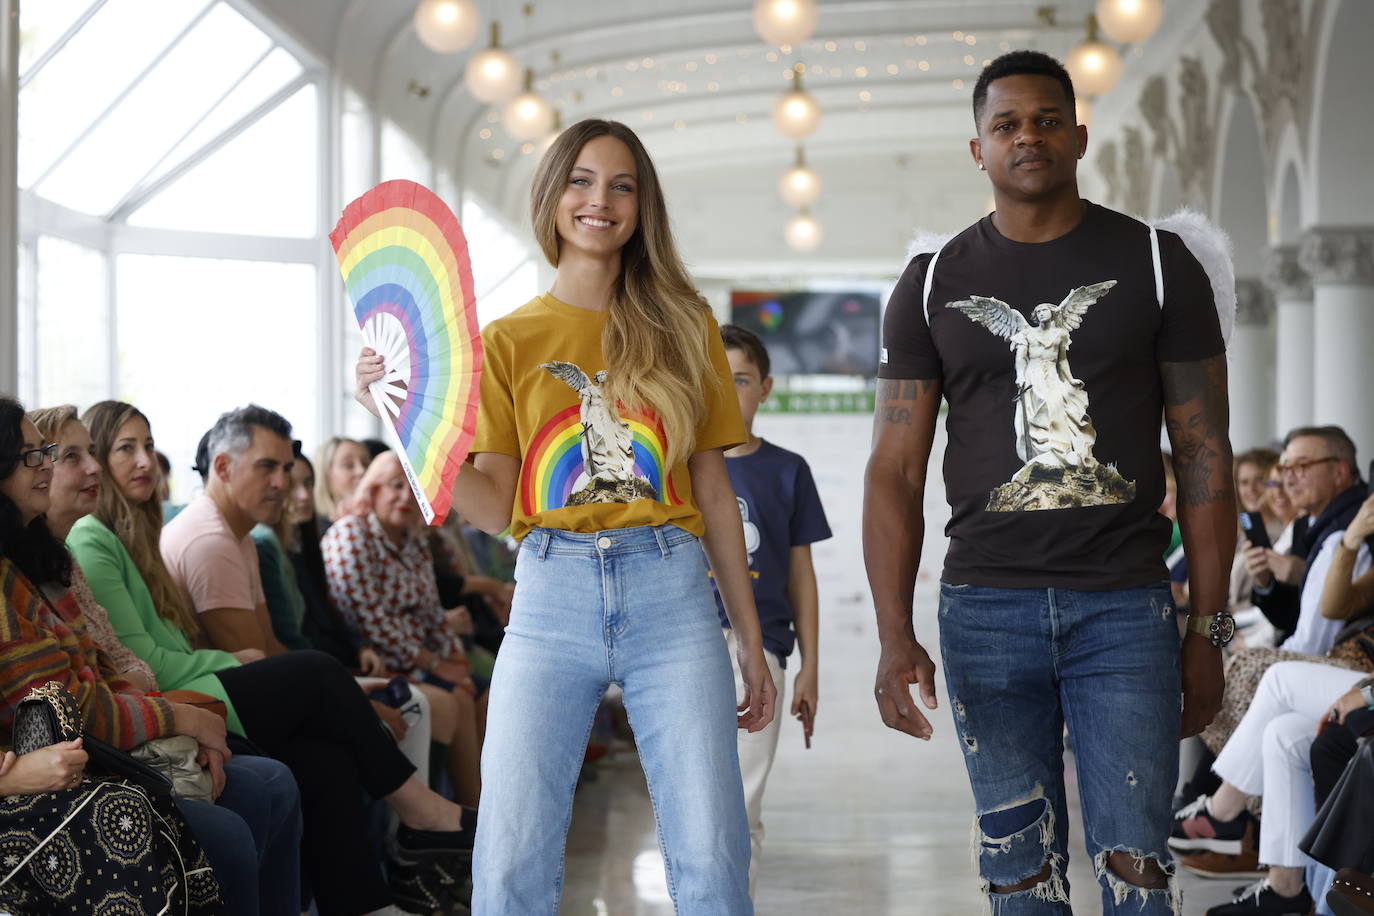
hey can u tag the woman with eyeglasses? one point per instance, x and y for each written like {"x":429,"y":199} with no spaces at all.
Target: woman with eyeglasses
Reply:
{"x":52,"y":813}
{"x":300,"y":707}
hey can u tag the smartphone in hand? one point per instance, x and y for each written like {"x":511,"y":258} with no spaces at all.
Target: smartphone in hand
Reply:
{"x":1252,"y":524}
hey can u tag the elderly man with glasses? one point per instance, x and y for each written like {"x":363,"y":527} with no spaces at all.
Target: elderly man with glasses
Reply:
{"x":1320,"y":475}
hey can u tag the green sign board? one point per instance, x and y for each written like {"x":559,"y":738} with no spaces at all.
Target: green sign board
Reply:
{"x":818,"y":402}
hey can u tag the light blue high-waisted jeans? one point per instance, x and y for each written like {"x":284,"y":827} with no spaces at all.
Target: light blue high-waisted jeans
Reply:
{"x":631,"y":606}
{"x":1020,"y":664}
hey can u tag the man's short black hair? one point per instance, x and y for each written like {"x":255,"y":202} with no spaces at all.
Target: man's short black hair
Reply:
{"x":1018,"y":63}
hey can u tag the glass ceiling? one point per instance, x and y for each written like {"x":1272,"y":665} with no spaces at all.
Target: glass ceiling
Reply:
{"x":175,"y":78}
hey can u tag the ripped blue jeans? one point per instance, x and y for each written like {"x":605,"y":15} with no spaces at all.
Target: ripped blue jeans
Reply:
{"x":1019,"y":664}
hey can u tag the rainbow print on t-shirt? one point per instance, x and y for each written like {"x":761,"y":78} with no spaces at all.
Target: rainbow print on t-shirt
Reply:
{"x":555,"y":466}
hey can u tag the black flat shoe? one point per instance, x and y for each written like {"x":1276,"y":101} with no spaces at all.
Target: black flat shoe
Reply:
{"x":412,"y":844}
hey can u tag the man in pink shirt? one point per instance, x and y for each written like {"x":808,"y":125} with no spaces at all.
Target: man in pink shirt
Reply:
{"x":207,"y":546}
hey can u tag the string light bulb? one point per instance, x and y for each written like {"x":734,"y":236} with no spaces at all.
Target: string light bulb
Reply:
{"x":493,"y":75}
{"x":1093,"y":65}
{"x":800,"y":186}
{"x":1130,"y":22}
{"x":528,"y":116}
{"x":785,"y":22}
{"x":446,"y":26}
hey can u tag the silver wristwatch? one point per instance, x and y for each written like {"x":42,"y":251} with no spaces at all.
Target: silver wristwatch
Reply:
{"x":1220,"y":627}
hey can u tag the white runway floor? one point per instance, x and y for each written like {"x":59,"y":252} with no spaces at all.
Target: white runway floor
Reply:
{"x":869,"y":822}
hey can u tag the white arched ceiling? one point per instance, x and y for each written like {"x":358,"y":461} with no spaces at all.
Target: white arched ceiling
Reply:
{"x":708,"y":71}
{"x":1241,"y":207}
{"x":1343,"y":134}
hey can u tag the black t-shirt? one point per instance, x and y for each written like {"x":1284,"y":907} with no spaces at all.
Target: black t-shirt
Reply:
{"x":1053,"y":467}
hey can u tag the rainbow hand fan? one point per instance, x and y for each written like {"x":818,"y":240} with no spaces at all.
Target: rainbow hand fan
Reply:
{"x":405,"y":263}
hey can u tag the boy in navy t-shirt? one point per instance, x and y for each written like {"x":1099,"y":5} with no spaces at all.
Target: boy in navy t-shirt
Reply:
{"x":782,"y":518}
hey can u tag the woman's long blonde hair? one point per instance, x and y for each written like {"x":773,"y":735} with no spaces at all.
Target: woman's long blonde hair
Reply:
{"x":654,"y":341}
{"x":327,"y":503}
{"x":138,"y":526}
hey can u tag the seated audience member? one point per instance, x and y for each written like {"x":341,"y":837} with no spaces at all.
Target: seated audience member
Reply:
{"x":406,"y":714}
{"x":1267,"y":757}
{"x":1252,"y":469}
{"x":1322,"y":479}
{"x":1340,"y":840}
{"x":477,"y":606}
{"x":1319,"y":476}
{"x":381,"y":578}
{"x":374,"y":447}
{"x":1253,"y":629}
{"x":341,"y":464}
{"x":300,"y":707}
{"x":252,"y":834}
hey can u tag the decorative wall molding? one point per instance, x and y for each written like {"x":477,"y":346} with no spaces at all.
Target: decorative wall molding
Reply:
{"x":1254,"y":304}
{"x":1343,"y":255}
{"x":1136,"y":165}
{"x":1284,"y":276}
{"x":1198,"y":136}
{"x":1107,"y":168}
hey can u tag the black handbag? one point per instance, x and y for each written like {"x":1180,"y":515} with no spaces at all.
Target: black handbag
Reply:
{"x":49,"y":715}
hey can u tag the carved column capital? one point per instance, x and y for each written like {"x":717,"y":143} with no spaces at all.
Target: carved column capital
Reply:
{"x":1254,"y":305}
{"x":1284,"y":276}
{"x":1338,"y":254}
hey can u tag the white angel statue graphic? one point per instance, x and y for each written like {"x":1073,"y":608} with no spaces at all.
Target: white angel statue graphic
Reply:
{"x":1054,"y":434}
{"x":608,"y":453}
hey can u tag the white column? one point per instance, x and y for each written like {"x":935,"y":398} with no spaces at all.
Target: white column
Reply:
{"x":1291,"y":288}
{"x":1251,"y":369}
{"x":1341,"y":263}
{"x":9,"y":196}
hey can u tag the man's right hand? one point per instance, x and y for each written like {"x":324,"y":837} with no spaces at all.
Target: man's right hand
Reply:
{"x":903,"y":662}
{"x":1257,"y":565}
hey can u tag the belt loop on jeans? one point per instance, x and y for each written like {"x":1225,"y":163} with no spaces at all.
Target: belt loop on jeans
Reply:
{"x":547,"y":538}
{"x":662,"y":541}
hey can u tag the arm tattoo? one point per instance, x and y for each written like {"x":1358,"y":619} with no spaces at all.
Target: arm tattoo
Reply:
{"x":897,"y":397}
{"x":1196,"y":414}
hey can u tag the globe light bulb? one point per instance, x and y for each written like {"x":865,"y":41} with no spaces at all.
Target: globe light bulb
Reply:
{"x":1130,"y":22}
{"x":803,"y":232}
{"x":784,"y":22}
{"x":446,"y":26}
{"x":796,"y":114}
{"x":1093,"y":65}
{"x":800,"y":186}
{"x":493,"y":75}
{"x":528,"y":116}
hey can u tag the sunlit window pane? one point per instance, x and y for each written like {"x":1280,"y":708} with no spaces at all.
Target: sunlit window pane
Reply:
{"x":402,"y":157}
{"x":41,"y":24}
{"x":202,"y":67}
{"x":85,"y":77}
{"x":520,"y":287}
{"x":28,"y":381}
{"x":495,"y":250}
{"x":355,"y":151}
{"x":72,"y":329}
{"x":198,"y":337}
{"x":275,"y":71}
{"x":260,"y":183}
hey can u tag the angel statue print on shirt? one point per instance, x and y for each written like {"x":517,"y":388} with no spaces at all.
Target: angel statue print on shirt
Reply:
{"x":1054,"y":434}
{"x":608,"y":454}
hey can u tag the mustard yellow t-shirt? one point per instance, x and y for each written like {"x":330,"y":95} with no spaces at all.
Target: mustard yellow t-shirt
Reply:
{"x":587,"y":464}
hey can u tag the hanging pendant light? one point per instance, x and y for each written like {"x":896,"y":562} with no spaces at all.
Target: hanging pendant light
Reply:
{"x":785,"y":22}
{"x":1130,"y":22}
{"x":1094,"y":66}
{"x":493,"y":75}
{"x":803,"y":232}
{"x":446,"y":26}
{"x":528,"y":116}
{"x":800,"y":186}
{"x":796,"y":113}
